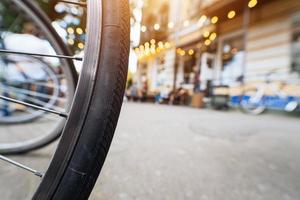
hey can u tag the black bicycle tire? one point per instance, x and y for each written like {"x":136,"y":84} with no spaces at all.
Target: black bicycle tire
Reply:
{"x":90,"y":127}
{"x":59,"y":44}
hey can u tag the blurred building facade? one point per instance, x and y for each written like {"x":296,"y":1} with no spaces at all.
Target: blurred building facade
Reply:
{"x":238,"y":41}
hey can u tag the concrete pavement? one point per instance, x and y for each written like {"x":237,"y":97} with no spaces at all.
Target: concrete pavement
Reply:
{"x":163,"y":152}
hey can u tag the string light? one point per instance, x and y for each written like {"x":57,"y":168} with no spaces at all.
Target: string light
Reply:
{"x":214,"y":20}
{"x":206,"y":34}
{"x":207,"y":42}
{"x":171,"y":25}
{"x":167,"y":45}
{"x":156,"y":27}
{"x":186,"y":23}
{"x":150,"y":49}
{"x":147,"y":50}
{"x":80,"y":45}
{"x":71,"y":41}
{"x":182,"y":53}
{"x":142,"y":48}
{"x":231,"y":14}
{"x":191,"y":52}
{"x":252,"y":3}
{"x":143,"y":29}
{"x":213,"y":36}
{"x":79,"y":31}
{"x":161,"y":45}
{"x":153,"y":49}
{"x":70,"y":30}
{"x":202,"y":20}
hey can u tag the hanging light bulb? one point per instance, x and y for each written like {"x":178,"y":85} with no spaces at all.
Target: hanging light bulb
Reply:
{"x":213,"y":36}
{"x":202,"y":20}
{"x":206,"y":34}
{"x":186,"y":23}
{"x":207,"y":42}
{"x":214,"y":20}
{"x":143,"y":29}
{"x":231,"y":14}
{"x":80,"y":45}
{"x":167,"y":45}
{"x":252,"y":3}
{"x":79,"y":31}
{"x":70,"y":30}
{"x":71,"y":41}
{"x":171,"y":25}
{"x":156,"y":27}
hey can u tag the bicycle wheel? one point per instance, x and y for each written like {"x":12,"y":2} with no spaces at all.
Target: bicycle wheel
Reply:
{"x":252,"y":102}
{"x":45,"y":82}
{"x":91,"y":123}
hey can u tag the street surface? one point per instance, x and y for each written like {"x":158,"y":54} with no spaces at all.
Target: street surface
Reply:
{"x":176,"y":153}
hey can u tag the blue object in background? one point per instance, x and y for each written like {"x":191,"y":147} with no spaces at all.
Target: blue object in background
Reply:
{"x":271,"y":102}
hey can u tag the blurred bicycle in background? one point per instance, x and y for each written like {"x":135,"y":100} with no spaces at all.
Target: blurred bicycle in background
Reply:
{"x":269,"y":94}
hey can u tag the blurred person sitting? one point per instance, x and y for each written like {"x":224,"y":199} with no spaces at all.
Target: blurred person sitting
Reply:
{"x":163,"y":95}
{"x":144,"y":92}
{"x":133,"y":92}
{"x":179,"y":96}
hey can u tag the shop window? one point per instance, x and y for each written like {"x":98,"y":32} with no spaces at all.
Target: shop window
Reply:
{"x":232,"y":59}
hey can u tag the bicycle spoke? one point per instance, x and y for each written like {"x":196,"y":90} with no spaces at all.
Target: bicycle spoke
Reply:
{"x":8,"y":88}
{"x":61,"y":114}
{"x":41,"y":55}
{"x":33,"y":171}
{"x":40,"y":103}
{"x":44,"y":83}
{"x":39,"y":83}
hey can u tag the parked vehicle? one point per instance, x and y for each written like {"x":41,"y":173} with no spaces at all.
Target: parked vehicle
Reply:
{"x":269,"y":94}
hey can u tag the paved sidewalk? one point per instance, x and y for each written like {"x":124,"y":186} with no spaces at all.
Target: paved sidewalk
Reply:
{"x":163,"y":152}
